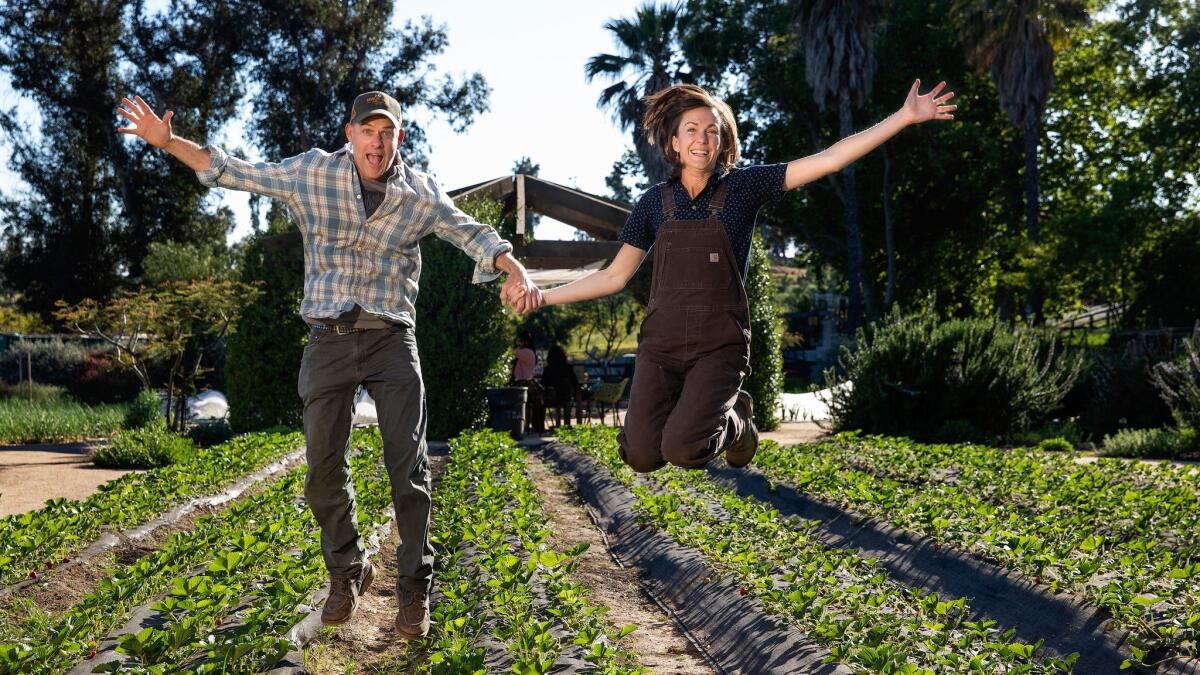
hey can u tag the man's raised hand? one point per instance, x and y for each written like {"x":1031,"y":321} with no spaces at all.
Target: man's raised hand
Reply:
{"x":147,"y":125}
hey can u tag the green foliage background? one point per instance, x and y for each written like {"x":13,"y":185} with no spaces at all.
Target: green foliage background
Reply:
{"x":957,"y":380}
{"x":766,"y":354}
{"x":463,"y":334}
{"x":263,"y":357}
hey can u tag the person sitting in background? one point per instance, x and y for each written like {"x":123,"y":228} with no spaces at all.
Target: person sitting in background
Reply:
{"x":561,"y":385}
{"x":524,"y":374}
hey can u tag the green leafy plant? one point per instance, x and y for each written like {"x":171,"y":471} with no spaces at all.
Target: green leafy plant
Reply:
{"x":146,"y":447}
{"x":1058,"y":444}
{"x":865,"y":619}
{"x":921,"y":377}
{"x":462,"y":332}
{"x":57,"y":420}
{"x":1151,"y":443}
{"x":766,"y":352}
{"x":144,"y":411}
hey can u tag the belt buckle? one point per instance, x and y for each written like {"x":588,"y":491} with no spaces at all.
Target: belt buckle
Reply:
{"x":342,"y":329}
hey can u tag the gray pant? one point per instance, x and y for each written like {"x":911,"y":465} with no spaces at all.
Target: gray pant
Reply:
{"x":385,"y":361}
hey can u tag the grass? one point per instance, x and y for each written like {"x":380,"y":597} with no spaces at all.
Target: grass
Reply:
{"x":56,"y":421}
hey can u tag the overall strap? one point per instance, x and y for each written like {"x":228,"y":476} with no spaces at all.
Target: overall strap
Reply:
{"x":668,"y":199}
{"x":717,"y":201}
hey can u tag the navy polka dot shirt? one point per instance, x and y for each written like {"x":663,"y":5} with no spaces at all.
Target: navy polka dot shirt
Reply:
{"x":749,"y":188}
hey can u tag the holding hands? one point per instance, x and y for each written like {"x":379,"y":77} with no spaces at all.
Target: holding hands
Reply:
{"x":520,"y":293}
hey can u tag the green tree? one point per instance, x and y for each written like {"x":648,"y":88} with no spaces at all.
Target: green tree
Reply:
{"x":59,"y":240}
{"x":312,"y":58}
{"x":161,"y":323}
{"x":766,"y":328}
{"x":1016,"y":42}
{"x":839,"y":59}
{"x":649,"y":57}
{"x":102,"y":208}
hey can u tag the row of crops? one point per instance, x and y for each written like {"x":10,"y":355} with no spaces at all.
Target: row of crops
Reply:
{"x":222,"y":595}
{"x":1112,"y":535}
{"x":225,"y":592}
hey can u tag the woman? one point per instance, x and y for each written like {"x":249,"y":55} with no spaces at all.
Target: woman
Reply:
{"x":686,"y":405}
{"x":524,"y":374}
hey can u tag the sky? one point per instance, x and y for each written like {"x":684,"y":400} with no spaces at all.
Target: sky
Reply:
{"x":532,"y":54}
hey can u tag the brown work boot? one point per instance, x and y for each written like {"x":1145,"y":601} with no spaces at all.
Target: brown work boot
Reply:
{"x":344,"y":592}
{"x":742,"y":451}
{"x":412,"y":617}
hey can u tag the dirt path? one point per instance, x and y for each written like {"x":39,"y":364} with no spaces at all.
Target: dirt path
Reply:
{"x":658,"y":644}
{"x":31,"y":474}
{"x":368,"y":644}
{"x":791,"y":433}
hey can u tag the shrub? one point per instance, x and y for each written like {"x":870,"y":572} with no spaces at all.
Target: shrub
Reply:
{"x":766,"y":353}
{"x":461,"y":332}
{"x":144,"y":410}
{"x":145,"y":448}
{"x":207,"y":433}
{"x":263,"y":355}
{"x":1178,"y":383}
{"x":54,"y":361}
{"x":1116,"y":390}
{"x":1150,"y":443}
{"x":99,"y":380}
{"x":1059,"y":444}
{"x":41,"y":392}
{"x":972,"y":379}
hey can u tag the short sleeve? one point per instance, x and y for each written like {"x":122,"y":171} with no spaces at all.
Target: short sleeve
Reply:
{"x":760,"y":183}
{"x":638,"y":231}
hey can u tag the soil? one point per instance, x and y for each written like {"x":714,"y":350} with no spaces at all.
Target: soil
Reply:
{"x":66,"y":586}
{"x":657,"y":642}
{"x":368,"y":643}
{"x":792,"y":433}
{"x":31,"y":474}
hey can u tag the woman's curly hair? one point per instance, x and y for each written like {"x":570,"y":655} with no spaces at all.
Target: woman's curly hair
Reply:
{"x":661,"y":121}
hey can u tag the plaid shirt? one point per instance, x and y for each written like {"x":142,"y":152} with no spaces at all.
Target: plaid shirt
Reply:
{"x":349,"y":258}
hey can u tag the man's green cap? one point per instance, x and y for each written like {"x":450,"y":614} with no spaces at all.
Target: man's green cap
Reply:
{"x":375,"y":103}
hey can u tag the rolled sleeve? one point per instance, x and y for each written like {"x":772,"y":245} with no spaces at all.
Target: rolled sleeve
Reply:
{"x":216,"y":167}
{"x":485,"y":269}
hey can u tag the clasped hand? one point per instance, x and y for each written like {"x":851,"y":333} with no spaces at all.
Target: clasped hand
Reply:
{"x":520,"y":293}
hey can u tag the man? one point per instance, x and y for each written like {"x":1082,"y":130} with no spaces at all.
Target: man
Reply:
{"x":361,"y":212}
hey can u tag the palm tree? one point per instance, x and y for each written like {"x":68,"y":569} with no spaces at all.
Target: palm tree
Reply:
{"x":839,"y":61}
{"x":648,"y":52}
{"x":1016,"y":41}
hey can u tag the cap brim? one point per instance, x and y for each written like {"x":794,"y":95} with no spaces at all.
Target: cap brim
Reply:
{"x":383,"y":112}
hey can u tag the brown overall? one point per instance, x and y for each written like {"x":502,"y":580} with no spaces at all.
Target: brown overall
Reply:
{"x":693,"y":349}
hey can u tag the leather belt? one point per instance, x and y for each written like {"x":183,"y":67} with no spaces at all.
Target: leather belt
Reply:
{"x":338,"y":329}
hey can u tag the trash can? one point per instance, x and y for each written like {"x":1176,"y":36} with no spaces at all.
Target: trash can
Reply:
{"x":506,"y":410}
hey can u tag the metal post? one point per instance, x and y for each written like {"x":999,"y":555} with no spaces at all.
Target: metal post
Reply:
{"x":29,"y":371}
{"x":520,"y":209}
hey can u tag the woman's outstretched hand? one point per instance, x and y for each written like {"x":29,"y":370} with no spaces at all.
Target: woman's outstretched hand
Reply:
{"x":932,"y":106}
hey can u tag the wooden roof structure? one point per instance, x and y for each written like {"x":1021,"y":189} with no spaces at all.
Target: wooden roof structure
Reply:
{"x":520,"y":194}
{"x":598,"y":216}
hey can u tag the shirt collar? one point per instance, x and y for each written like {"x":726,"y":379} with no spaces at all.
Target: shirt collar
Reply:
{"x":713,"y":178}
